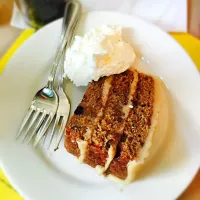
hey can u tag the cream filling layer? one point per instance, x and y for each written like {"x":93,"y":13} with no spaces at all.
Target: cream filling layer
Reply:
{"x":126,"y":108}
{"x":102,"y":169}
{"x":82,"y":145}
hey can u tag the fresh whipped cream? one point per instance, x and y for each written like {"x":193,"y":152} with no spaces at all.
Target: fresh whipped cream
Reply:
{"x":100,"y":52}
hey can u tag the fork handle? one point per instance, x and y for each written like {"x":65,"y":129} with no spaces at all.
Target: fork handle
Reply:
{"x":70,"y":19}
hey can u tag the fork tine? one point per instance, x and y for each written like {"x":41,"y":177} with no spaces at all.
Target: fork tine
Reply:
{"x":61,"y":132}
{"x":26,"y":118}
{"x":35,"y":116}
{"x":43,"y":129}
{"x":52,"y":131}
{"x":38,"y":125}
{"x":43,"y":139}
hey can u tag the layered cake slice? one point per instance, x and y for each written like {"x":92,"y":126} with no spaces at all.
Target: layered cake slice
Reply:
{"x":119,"y":123}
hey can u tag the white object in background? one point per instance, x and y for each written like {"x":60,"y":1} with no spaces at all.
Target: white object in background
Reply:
{"x":18,"y":19}
{"x":170,"y":15}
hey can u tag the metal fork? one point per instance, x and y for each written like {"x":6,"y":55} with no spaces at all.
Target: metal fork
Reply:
{"x":61,"y":116}
{"x":45,"y":103}
{"x":74,"y":10}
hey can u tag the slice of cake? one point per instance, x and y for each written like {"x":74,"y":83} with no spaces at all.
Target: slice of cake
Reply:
{"x":116,"y":123}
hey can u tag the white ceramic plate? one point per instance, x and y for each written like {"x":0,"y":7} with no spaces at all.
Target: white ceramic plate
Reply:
{"x":46,"y":175}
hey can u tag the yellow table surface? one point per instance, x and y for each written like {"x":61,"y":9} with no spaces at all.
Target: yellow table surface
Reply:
{"x":188,"y":42}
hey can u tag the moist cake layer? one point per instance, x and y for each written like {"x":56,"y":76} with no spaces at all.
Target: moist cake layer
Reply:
{"x":84,"y":116}
{"x":136,"y":129}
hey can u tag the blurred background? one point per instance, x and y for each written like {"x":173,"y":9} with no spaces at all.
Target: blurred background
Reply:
{"x":37,"y":13}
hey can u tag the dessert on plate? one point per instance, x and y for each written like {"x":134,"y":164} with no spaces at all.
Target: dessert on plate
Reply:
{"x":122,"y":119}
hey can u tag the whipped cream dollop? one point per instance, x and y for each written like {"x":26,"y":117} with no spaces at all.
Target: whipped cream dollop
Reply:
{"x":100,"y":52}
